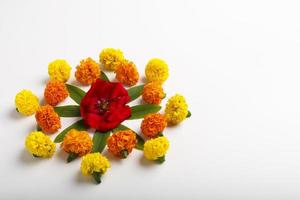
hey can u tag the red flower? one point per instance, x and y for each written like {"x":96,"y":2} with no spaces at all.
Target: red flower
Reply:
{"x":104,"y":106}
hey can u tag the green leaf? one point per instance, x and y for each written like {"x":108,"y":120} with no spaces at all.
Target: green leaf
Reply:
{"x":97,"y":177}
{"x":160,"y":134}
{"x":38,"y":128}
{"x":68,"y":111}
{"x":79,"y":125}
{"x":121,"y":127}
{"x":104,"y":77}
{"x":124,"y":153}
{"x":189,"y":114}
{"x":160,"y":160}
{"x":71,"y":157}
{"x":99,"y":141}
{"x":135,"y":92}
{"x":139,"y":111}
{"x":75,"y":93}
{"x":140,"y":141}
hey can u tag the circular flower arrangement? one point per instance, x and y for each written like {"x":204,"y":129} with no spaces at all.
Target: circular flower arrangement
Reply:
{"x":102,"y":108}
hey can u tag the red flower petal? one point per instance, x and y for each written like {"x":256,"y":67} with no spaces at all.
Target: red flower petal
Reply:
{"x":104,"y":106}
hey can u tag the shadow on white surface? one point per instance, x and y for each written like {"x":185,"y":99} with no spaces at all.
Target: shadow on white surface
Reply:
{"x":26,"y":158}
{"x":111,"y":158}
{"x":61,"y":155}
{"x":139,"y":101}
{"x":19,"y":118}
{"x":81,"y":179}
{"x":147,"y":163}
{"x":13,"y":114}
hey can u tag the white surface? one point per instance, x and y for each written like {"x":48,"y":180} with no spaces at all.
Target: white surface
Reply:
{"x":237,"y":63}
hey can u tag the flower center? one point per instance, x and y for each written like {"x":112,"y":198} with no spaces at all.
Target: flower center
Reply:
{"x":103,"y":105}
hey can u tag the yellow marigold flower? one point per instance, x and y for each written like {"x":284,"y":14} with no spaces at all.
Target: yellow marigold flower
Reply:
{"x":153,"y":124}
{"x":87,"y":71}
{"x":77,"y":142}
{"x":94,"y":162}
{"x":176,"y":109}
{"x":127,"y":73}
{"x":153,"y":93}
{"x":55,"y":92}
{"x":59,"y":70}
{"x":47,"y":119}
{"x":156,"y":149}
{"x":26,"y":102}
{"x":121,"y":143}
{"x":39,"y":144}
{"x":110,"y":58}
{"x":157,"y":70}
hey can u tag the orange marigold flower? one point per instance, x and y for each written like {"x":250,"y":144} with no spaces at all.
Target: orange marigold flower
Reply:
{"x":153,"y":125}
{"x":47,"y":119}
{"x":121,"y":143}
{"x":127,"y":73}
{"x":153,"y":93}
{"x":77,"y":142}
{"x":87,"y":71}
{"x":55,"y":92}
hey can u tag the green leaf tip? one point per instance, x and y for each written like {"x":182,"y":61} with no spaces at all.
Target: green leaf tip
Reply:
{"x":99,"y":141}
{"x":71,"y":157}
{"x":104,"y":76}
{"x":124,"y":153}
{"x":140,"y":111}
{"x":68,"y":111}
{"x":38,"y":128}
{"x":140,"y":142}
{"x":121,"y":127}
{"x":97,"y":177}
{"x":189,"y":114}
{"x":161,"y":160}
{"x":135,"y":92}
{"x":75,"y":93}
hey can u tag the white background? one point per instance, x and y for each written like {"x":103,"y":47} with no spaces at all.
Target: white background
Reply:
{"x":236,"y":62}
